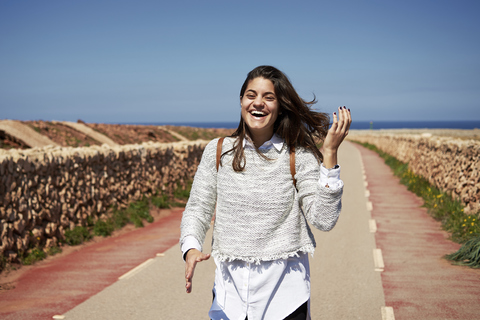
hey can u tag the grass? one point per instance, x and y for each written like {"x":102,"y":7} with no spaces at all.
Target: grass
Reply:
{"x":32,"y":256}
{"x":462,"y":227}
{"x":182,"y":194}
{"x":54,"y":250}
{"x":135,"y":213}
{"x":138,"y":211}
{"x":468,"y":255}
{"x":103,"y":228}
{"x":77,"y":235}
{"x":160,"y":201}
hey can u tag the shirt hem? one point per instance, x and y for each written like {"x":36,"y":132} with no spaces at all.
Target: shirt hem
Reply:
{"x":225,"y":257}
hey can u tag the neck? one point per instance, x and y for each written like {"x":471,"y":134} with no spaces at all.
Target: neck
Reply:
{"x":259,"y":139}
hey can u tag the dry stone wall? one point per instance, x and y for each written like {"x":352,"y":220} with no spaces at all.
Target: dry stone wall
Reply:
{"x":452,"y":165}
{"x":44,"y":192}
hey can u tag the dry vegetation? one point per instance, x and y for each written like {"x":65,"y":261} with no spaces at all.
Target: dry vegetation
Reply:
{"x":122,"y":134}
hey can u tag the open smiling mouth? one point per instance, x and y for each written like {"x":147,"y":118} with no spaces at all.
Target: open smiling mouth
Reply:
{"x":258,"y":114}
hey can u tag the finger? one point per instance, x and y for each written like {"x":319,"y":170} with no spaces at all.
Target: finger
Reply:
{"x":189,"y":276}
{"x":335,"y":121}
{"x":349,"y":115}
{"x":347,"y":121}
{"x":189,"y":270}
{"x":203,"y":257}
{"x":341,"y":119}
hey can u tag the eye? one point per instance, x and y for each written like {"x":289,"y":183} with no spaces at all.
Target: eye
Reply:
{"x":250,"y":96}
{"x":270,"y":98}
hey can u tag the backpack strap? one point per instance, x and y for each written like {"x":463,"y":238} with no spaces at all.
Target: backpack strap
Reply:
{"x":219,"y":150}
{"x":292,"y":159}
{"x":292,"y":166}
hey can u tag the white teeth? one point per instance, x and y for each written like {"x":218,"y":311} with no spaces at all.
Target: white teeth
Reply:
{"x":259,"y":113}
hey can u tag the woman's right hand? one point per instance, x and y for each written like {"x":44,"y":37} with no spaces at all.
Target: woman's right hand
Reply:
{"x":193,"y":256}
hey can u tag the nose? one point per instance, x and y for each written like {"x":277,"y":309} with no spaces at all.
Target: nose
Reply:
{"x":258,"y":102}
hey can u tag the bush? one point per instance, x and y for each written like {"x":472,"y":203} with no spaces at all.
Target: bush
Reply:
{"x":119,"y":218}
{"x":468,"y":254}
{"x":181,"y":193}
{"x":34,"y":255}
{"x":160,"y":201}
{"x":3,"y":262}
{"x":54,"y":250}
{"x":77,"y":236}
{"x":103,"y":228}
{"x":139,"y":211}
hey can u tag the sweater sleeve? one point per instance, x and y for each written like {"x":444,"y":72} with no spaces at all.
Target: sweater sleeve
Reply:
{"x":321,"y":205}
{"x":203,"y":196}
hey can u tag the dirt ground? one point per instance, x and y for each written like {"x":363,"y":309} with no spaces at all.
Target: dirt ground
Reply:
{"x":121,"y":134}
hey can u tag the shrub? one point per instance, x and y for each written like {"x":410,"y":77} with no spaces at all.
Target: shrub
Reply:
{"x":54,"y":250}
{"x":103,"y":228}
{"x":119,"y":218}
{"x":138,"y":211}
{"x":183,"y":193}
{"x":33,"y":255}
{"x":468,"y":254}
{"x":77,"y":236}
{"x":160,"y":201}
{"x":3,"y":262}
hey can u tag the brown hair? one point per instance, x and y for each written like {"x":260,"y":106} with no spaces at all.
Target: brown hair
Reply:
{"x":296,"y":123}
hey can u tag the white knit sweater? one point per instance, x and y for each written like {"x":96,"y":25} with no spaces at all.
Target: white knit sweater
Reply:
{"x":259,"y":214}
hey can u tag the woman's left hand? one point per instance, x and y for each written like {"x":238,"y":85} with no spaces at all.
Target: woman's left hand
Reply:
{"x":335,"y":136}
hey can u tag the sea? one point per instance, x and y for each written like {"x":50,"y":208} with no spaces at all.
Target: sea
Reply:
{"x":356,"y":125}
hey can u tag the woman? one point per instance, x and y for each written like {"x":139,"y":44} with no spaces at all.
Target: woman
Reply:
{"x":261,"y":238}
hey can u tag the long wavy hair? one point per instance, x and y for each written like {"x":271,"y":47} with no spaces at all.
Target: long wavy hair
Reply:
{"x":296,"y":123}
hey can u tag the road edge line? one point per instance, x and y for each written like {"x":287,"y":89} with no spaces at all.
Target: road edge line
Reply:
{"x":134,"y":270}
{"x":387,"y":313}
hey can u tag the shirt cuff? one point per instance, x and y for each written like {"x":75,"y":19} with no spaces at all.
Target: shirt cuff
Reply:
{"x":190,"y":242}
{"x":330,"y":178}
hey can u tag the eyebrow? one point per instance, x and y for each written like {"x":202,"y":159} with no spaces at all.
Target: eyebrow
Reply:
{"x":266,"y":93}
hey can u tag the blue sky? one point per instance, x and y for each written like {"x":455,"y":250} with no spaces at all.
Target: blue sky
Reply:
{"x":184,"y":61}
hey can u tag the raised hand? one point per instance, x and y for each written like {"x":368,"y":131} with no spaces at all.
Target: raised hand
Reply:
{"x":192,"y":258}
{"x":335,"y":136}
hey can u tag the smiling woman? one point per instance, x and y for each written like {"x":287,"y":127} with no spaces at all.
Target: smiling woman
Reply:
{"x":261,"y":238}
{"x":260,"y":109}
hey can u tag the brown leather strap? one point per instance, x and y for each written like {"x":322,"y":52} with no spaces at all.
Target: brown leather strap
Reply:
{"x":292,"y":165}
{"x":219,"y":150}
{"x":292,"y":159}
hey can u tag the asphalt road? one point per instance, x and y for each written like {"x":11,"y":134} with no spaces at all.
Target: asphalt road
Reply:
{"x":345,"y":284}
{"x":412,"y":281}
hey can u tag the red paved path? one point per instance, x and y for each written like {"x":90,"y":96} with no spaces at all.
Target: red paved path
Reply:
{"x":418,"y":283}
{"x":61,"y":284}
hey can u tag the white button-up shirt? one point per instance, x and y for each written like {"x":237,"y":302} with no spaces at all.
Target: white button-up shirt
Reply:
{"x":270,"y":290}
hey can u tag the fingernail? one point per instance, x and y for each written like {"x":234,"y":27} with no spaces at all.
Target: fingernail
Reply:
{"x":335,"y":113}
{"x":348,"y":110}
{"x":344,"y":107}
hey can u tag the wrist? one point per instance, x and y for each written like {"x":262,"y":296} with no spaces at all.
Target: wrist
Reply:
{"x":329,"y":152}
{"x":329,"y":158}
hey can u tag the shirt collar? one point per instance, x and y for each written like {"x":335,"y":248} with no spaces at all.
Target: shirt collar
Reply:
{"x":275,"y":141}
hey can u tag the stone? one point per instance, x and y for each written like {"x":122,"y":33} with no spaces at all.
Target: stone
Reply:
{"x":51,"y":242}
{"x":19,"y":224}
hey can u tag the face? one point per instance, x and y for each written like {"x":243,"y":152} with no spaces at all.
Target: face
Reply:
{"x":260,"y":107}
